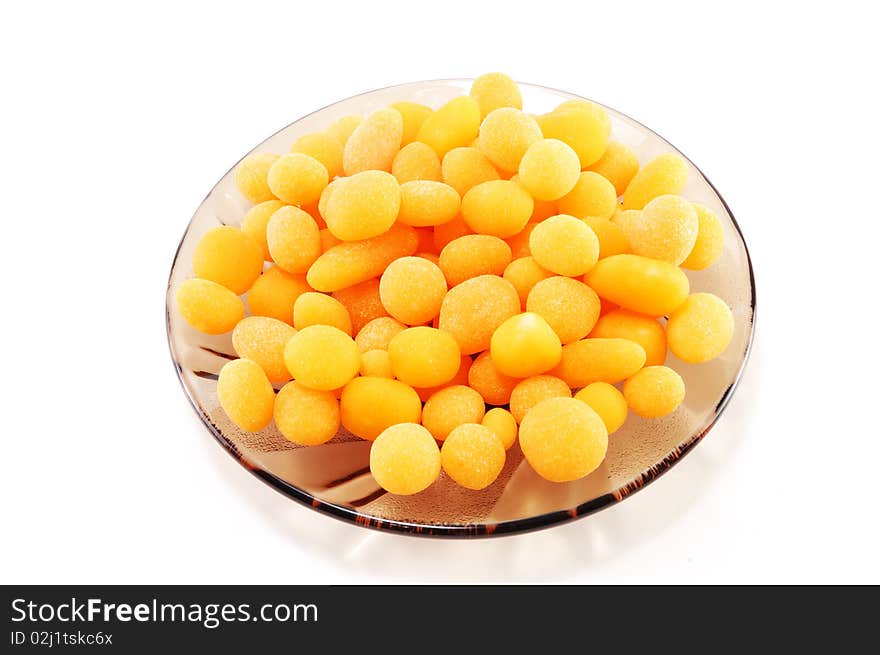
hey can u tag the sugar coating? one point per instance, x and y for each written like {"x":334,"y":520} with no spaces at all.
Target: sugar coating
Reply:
{"x":569,"y":306}
{"x":445,"y":233}
{"x":413,"y":114}
{"x":363,"y":303}
{"x":626,"y":218}
{"x":275,"y":292}
{"x":262,"y":340}
{"x":412,"y":289}
{"x":357,"y":261}
{"x":377,"y":333}
{"x":208,"y":307}
{"x":618,"y":165}
{"x":505,"y":135}
{"x":255,"y":221}
{"x":369,"y":405}
{"x":472,"y":255}
{"x":599,"y":360}
{"x":405,"y":460}
{"x":700,"y":329}
{"x":592,"y":195}
{"x":502,"y":423}
{"x":322,"y":357}
{"x":328,"y":240}
{"x":294,"y":239}
{"x":519,"y":242}
{"x":424,"y":203}
{"x":450,"y":407}
{"x":307,"y":417}
{"x":525,"y":345}
{"x":644,"y":285}
{"x":529,"y":392}
{"x":710,"y":240}
{"x":494,"y":386}
{"x":654,"y":392}
{"x":549,"y":169}
{"x":229,"y":257}
{"x":424,"y":356}
{"x":565,"y":245}
{"x":563,"y":439}
{"x":585,"y":131}
{"x":245,"y":394}
{"x":374,"y":142}
{"x":612,"y":238}
{"x":607,"y":402}
{"x":324,"y":147}
{"x":541,"y":209}
{"x":646,"y":331}
{"x":524,"y":273}
{"x":344,"y":127}
{"x":460,"y":377}
{"x":464,"y":168}
{"x":363,"y":206}
{"x":495,"y":90}
{"x":251,"y":177}
{"x":473,"y":456}
{"x":416,"y":161}
{"x":313,"y":308}
{"x":472,"y":310}
{"x":498,"y":207}
{"x":666,"y":230}
{"x":455,"y":124}
{"x":582,"y":104}
{"x":376,"y":363}
{"x":325,"y":197}
{"x":665,"y":174}
{"x":297,"y":179}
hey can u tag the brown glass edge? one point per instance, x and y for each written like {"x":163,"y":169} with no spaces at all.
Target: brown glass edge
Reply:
{"x":476,"y":529}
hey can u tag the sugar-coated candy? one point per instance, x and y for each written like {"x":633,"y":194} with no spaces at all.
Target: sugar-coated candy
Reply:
{"x":447,"y":232}
{"x":245,"y":394}
{"x":363,"y":206}
{"x":376,"y":363}
{"x":519,"y":242}
{"x":495,"y":90}
{"x":586,"y":131}
{"x":529,"y":392}
{"x":404,"y":459}
{"x":322,"y":357}
{"x":208,"y":307}
{"x":228,"y":256}
{"x":363,"y":303}
{"x":591,"y":195}
{"x":324,"y":147}
{"x":255,"y":221}
{"x":369,"y":405}
{"x":454,"y":125}
{"x":377,"y":333}
{"x":425,"y":203}
{"x":525,"y":345}
{"x":275,"y":292}
{"x":460,"y":377}
{"x":251,"y":176}
{"x":666,"y":229}
{"x":374,"y":142}
{"x":424,"y":356}
{"x":502,"y":423}
{"x":569,"y":306}
{"x":416,"y":161}
{"x":654,"y":391}
{"x":618,"y":165}
{"x":450,"y":407}
{"x":505,"y":135}
{"x":412,"y":290}
{"x":472,"y":255}
{"x":294,"y":239}
{"x":466,"y":167}
{"x":297,"y":179}
{"x":262,"y":340}
{"x":313,"y":308}
{"x":700,"y":329}
{"x":710,"y":240}
{"x":494,"y":386}
{"x":565,"y":245}
{"x":599,"y":360}
{"x":472,"y":310}
{"x":524,"y":273}
{"x":607,"y":401}
{"x":665,"y":174}
{"x":646,"y":331}
{"x":498,"y":207}
{"x":344,"y":127}
{"x":644,"y":285}
{"x":549,"y":169}
{"x":472,"y":455}
{"x":612,"y":238}
{"x":413,"y":115}
{"x":307,"y":417}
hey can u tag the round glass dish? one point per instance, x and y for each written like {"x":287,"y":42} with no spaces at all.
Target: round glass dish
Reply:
{"x":335,"y":478}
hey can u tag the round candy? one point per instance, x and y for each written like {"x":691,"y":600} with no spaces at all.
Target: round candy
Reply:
{"x":416,"y":161}
{"x":700,"y":329}
{"x":313,"y":308}
{"x":710,"y":240}
{"x":465,"y":168}
{"x":262,"y":340}
{"x":251,"y":177}
{"x":376,"y":363}
{"x":275,"y":292}
{"x":412,"y":290}
{"x":293,"y":239}
{"x":362,"y":302}
{"x":425,"y":203}
{"x":666,"y":174}
{"x":324,"y":147}
{"x":499,"y":207}
{"x":494,"y":386}
{"x":472,"y":310}
{"x":612,"y":238}
{"x":473,"y":456}
{"x":450,"y":407}
{"x":307,"y":417}
{"x":228,"y":256}
{"x":607,"y":402}
{"x":322,"y":357}
{"x":519,"y":242}
{"x":599,"y":360}
{"x":569,"y":306}
{"x":455,"y":124}
{"x":502,"y":423}
{"x":506,"y":134}
{"x":460,"y":377}
{"x":525,"y":345}
{"x":371,"y":404}
{"x":666,"y":230}
{"x":644,"y":285}
{"x":529,"y":392}
{"x":549,"y":169}
{"x":644,"y":330}
{"x":565,"y":245}
{"x":404,"y":459}
{"x":413,"y":114}
{"x":653,"y":392}
{"x":424,"y":356}
{"x":618,"y":165}
{"x":586,"y":131}
{"x":472,"y":255}
{"x":495,"y":90}
{"x":363,"y":206}
{"x":524,"y":273}
{"x":591,"y":195}
{"x":377,"y":333}
{"x":297,"y":179}
{"x":245,"y":394}
{"x":255,"y":221}
{"x":344,"y":127}
{"x":374,"y":142}
{"x":208,"y":307}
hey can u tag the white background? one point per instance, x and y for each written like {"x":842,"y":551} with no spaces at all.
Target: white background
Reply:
{"x":116,"y":121}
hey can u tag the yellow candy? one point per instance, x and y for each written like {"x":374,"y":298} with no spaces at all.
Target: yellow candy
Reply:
{"x":525,"y":345}
{"x":502,"y":423}
{"x":412,"y":290}
{"x":245,"y":394}
{"x":461,"y":377}
{"x":255,"y":222}
{"x":455,"y":124}
{"x":626,"y":219}
{"x":262,"y":340}
{"x":275,"y":292}
{"x":209,"y":307}
{"x":666,"y":230}
{"x":563,"y":439}
{"x":531,"y":391}
{"x":228,"y":256}
{"x":373,"y":143}
{"x":565,"y":245}
{"x":499,"y":207}
{"x":494,"y":386}
{"x":376,"y":363}
{"x":585,"y":131}
{"x":297,"y":179}
{"x":413,"y":114}
{"x":473,"y":456}
{"x":369,"y":405}
{"x":363,"y":303}
{"x":582,"y":104}
{"x":495,"y":90}
{"x":549,"y":169}
{"x":592,"y":195}
{"x":710,"y":240}
{"x":324,"y":147}
{"x":294,"y":239}
{"x":325,"y":197}
{"x":524,"y":273}
{"x":472,"y":310}
{"x":416,"y":161}
{"x":472,"y":255}
{"x":424,"y":356}
{"x":644,"y":330}
{"x":700,"y":329}
{"x":251,"y":177}
{"x":405,"y":460}
{"x":607,"y":402}
{"x":343,"y":128}
{"x":313,"y":308}
{"x":646,"y":286}
{"x":618,"y":165}
{"x":350,"y":263}
{"x":519,"y":242}
{"x":653,"y":392}
{"x":612,"y":238}
{"x":377,"y":333}
{"x":306,"y":416}
{"x":505,"y":135}
{"x":363,"y":206}
{"x":424,"y":203}
{"x":666,"y":174}
{"x":599,"y":360}
{"x":570,"y":307}
{"x":322,"y":357}
{"x":465,"y":168}
{"x":450,"y":407}
{"x":447,"y":232}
